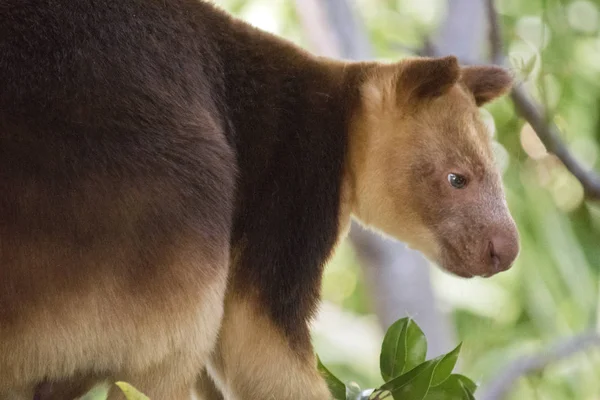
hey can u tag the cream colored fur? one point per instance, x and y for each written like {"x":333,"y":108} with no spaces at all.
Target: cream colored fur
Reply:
{"x":172,"y":335}
{"x":253,"y":360}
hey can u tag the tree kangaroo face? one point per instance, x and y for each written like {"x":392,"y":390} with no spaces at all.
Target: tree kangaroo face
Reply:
{"x":424,"y":169}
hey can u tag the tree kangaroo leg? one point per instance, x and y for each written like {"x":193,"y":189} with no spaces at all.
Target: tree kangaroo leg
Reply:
{"x":206,"y":388}
{"x":256,"y":361}
{"x":69,"y":389}
{"x":173,"y":379}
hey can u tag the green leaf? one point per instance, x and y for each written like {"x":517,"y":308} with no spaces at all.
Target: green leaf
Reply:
{"x":336,"y":387}
{"x":404,"y":347}
{"x":403,"y":379}
{"x":391,"y":359}
{"x":380,"y":395}
{"x":456,"y":387}
{"x":414,"y":384}
{"x":466,"y":382}
{"x":446,"y":365}
{"x":130,"y":392}
{"x":416,"y":346}
{"x":468,"y":395}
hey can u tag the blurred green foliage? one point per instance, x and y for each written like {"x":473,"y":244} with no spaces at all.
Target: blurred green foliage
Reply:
{"x":552,"y":291}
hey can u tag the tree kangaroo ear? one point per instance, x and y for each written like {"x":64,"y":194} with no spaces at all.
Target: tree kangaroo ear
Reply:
{"x":486,"y":82}
{"x":426,"y":78}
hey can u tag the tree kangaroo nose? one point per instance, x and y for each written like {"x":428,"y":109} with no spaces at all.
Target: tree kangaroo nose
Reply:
{"x":502,"y":250}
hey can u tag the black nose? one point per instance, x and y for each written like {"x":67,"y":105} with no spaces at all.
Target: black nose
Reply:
{"x":502,"y":251}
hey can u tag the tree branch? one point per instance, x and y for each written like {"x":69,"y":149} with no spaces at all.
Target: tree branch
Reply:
{"x":495,"y":34}
{"x":533,"y":113}
{"x":498,"y":388}
{"x":549,"y":134}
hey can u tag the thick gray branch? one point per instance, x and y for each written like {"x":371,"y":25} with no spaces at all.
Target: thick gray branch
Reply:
{"x":498,"y":388}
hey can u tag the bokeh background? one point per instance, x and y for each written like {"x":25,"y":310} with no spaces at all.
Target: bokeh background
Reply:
{"x":551,"y":294}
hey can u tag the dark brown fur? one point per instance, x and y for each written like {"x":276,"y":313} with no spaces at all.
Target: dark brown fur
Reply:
{"x":140,"y":142}
{"x":291,"y":112}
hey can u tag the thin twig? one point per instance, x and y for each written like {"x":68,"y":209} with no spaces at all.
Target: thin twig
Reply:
{"x":498,"y":388}
{"x":535,"y":115}
{"x":549,"y":134}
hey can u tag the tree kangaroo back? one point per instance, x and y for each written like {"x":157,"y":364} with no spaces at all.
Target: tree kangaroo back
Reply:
{"x":116,"y":192}
{"x":173,"y":180}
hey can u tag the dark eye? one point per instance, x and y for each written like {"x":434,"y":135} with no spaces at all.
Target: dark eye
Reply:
{"x":456,"y":180}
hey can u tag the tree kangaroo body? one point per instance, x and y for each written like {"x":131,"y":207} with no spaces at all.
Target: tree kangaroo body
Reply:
{"x":172,"y":181}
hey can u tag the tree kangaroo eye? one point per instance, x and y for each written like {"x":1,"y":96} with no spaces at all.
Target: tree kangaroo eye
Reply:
{"x":458,"y":181}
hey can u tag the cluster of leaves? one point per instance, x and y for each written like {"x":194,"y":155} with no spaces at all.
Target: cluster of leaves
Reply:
{"x":406,"y":374}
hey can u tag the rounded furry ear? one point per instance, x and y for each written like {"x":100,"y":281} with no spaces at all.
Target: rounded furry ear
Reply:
{"x":422,"y":78}
{"x":486,"y":82}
